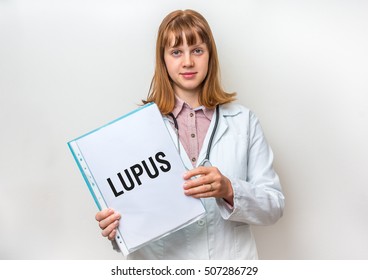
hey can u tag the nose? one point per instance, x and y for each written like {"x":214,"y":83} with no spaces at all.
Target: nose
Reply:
{"x":188,"y":61}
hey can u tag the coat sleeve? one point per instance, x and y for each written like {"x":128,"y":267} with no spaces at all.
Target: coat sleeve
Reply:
{"x":258,"y":200}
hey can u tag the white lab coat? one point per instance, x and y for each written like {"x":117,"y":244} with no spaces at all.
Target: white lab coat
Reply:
{"x":241,"y":153}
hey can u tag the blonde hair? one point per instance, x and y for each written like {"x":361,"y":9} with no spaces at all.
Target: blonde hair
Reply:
{"x":192,"y":25}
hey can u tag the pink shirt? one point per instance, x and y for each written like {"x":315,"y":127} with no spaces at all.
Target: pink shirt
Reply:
{"x":193,"y":125}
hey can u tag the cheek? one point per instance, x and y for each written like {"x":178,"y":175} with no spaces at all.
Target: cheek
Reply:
{"x":205,"y":69}
{"x":205,"y":65}
{"x":169,"y":66}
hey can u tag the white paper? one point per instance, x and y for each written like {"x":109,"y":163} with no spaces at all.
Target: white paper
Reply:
{"x":137,"y":143}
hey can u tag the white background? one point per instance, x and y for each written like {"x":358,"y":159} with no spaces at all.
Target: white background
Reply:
{"x":67,"y":67}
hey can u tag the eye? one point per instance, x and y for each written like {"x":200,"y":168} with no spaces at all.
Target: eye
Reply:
{"x":198,"y":51}
{"x":176,"y":53}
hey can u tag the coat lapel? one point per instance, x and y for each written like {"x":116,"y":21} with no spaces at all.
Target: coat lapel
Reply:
{"x":224,"y":113}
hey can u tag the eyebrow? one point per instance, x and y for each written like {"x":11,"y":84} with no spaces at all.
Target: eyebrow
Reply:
{"x":192,"y":46}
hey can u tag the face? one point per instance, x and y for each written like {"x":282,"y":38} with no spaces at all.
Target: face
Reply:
{"x":187,"y":66}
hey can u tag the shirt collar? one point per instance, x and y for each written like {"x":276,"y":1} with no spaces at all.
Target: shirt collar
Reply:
{"x":179,"y":105}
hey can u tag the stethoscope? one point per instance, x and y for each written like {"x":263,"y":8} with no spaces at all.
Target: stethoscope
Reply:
{"x":206,"y":161}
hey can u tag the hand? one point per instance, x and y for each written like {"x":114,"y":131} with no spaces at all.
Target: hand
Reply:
{"x":209,"y":183}
{"x":108,"y":220}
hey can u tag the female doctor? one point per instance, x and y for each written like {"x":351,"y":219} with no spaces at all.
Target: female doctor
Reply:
{"x":221,"y":143}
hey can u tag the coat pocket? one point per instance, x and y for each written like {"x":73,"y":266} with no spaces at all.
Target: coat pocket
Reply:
{"x":245,"y":245}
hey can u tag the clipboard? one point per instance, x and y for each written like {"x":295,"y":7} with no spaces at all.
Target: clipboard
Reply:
{"x":132,"y":165}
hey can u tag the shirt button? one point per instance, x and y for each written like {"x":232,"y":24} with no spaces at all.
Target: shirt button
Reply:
{"x":194,"y":159}
{"x":192,"y":135}
{"x":191,"y":114}
{"x":200,"y":223}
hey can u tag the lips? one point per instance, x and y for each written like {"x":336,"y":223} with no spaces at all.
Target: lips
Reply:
{"x":188,"y":75}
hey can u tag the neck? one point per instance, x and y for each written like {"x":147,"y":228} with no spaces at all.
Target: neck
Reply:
{"x":190,"y":98}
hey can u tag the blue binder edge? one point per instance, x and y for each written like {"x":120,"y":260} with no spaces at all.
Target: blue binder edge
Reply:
{"x":84,"y":176}
{"x":122,"y":117}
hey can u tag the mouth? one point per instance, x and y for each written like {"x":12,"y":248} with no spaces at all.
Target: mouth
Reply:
{"x":188,"y":75}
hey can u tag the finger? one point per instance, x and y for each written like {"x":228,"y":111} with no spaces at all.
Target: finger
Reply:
{"x":199,"y":190}
{"x":198,"y":181}
{"x":110,"y":230}
{"x":204,"y":195}
{"x":103,"y":214}
{"x":112,"y":235}
{"x":109,"y":220}
{"x":202,"y":170}
{"x":211,"y":188}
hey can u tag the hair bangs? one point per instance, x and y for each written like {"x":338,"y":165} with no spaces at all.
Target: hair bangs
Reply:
{"x":182,"y":27}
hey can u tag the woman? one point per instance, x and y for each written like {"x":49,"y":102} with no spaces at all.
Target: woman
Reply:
{"x":221,"y":143}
